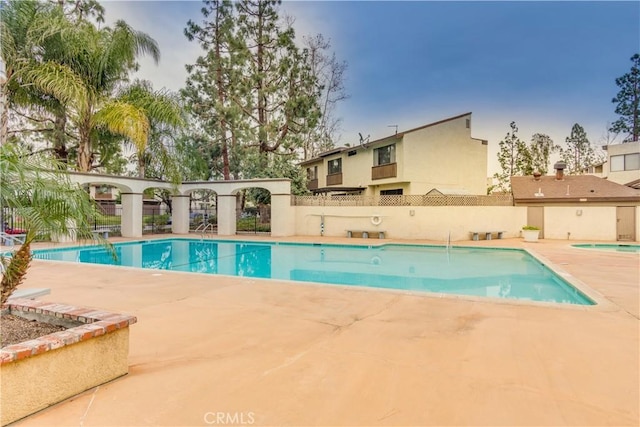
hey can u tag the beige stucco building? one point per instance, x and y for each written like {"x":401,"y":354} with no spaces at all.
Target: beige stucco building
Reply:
{"x":622,"y":164}
{"x":441,"y":155}
{"x":583,"y":206}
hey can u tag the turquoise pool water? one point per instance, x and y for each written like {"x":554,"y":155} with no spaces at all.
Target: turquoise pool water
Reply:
{"x":610,"y":247}
{"x":501,"y":273}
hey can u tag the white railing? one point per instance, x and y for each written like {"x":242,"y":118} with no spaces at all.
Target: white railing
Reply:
{"x":11,"y":239}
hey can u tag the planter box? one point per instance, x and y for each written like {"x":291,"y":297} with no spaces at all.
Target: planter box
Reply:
{"x":47,"y":370}
{"x":530,"y":235}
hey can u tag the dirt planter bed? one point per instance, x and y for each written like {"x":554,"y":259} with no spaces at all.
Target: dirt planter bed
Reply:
{"x":38,"y":373}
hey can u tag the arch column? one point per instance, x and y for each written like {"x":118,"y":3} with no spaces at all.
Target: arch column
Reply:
{"x":180,"y":214}
{"x":131,"y":225}
{"x":226,"y":215}
{"x":283,"y":221}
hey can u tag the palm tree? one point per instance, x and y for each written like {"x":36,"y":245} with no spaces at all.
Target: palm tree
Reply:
{"x":165,"y":117}
{"x":70,"y":70}
{"x":102,"y":59}
{"x":24,"y":25}
{"x":34,"y":189}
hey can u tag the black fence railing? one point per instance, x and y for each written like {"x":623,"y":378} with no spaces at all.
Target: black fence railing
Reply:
{"x":251,"y":221}
{"x":155,"y":220}
{"x":109,"y":223}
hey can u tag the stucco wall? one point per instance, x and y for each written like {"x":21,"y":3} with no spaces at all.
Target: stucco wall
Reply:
{"x":412,"y":222}
{"x":583,"y":223}
{"x":435,"y":222}
{"x":445,"y":156}
{"x":38,"y":382}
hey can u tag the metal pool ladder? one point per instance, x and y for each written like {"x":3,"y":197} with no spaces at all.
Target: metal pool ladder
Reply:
{"x":202,"y":229}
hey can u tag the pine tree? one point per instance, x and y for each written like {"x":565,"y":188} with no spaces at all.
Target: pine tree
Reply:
{"x":539,"y":152}
{"x":279,"y":91}
{"x":211,"y":79}
{"x":579,"y":153}
{"x":512,"y":157}
{"x":627,"y":102}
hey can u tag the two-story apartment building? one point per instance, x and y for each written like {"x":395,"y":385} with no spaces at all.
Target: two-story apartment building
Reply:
{"x":622,"y":165}
{"x":440,"y":155}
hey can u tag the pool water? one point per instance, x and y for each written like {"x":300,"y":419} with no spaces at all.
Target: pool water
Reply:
{"x":489,"y":272}
{"x":610,"y":247}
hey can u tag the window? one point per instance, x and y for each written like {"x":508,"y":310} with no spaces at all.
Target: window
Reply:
{"x":384,"y":155}
{"x":632,"y":162}
{"x":625,"y":162}
{"x":312,"y":173}
{"x":352,"y":153}
{"x":335,"y":166}
{"x":396,"y":192}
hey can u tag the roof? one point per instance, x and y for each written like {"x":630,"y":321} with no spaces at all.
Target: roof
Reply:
{"x":397,"y":135}
{"x":634,"y":184}
{"x":338,"y":189}
{"x":572,"y":188}
{"x":447,"y":192}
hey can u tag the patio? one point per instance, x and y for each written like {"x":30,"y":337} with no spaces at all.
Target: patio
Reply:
{"x":210,"y":350}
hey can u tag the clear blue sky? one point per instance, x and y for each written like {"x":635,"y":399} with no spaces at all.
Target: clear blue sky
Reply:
{"x":545,"y":65}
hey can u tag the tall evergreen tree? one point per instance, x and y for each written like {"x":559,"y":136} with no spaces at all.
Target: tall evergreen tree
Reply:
{"x":211,"y":81}
{"x":627,"y":103}
{"x":512,"y":157}
{"x":579,"y":153}
{"x":539,"y":153}
{"x":278,"y":96}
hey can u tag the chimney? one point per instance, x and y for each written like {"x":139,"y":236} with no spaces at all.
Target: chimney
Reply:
{"x":536,"y":176}
{"x":559,"y":167}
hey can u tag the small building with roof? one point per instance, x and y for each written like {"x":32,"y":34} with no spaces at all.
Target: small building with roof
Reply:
{"x":549,"y":198}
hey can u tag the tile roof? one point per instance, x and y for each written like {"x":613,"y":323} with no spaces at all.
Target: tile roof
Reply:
{"x":572,"y":188}
{"x":634,"y":184}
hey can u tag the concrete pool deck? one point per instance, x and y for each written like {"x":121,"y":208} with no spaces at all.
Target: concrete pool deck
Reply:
{"x":211,"y":350}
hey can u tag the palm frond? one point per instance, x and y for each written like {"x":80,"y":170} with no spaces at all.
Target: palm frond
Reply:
{"x":57,"y":80}
{"x":124,"y":119}
{"x":136,"y":42}
{"x":162,"y":107}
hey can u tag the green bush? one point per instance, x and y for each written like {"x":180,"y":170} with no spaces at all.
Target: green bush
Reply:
{"x":156,"y":219}
{"x":249,"y":224}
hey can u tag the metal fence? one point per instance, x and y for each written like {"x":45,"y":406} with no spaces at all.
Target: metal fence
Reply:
{"x":109,"y":221}
{"x":397,"y":200}
{"x":155,"y":220}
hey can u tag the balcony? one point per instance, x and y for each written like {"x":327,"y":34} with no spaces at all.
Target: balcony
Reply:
{"x":334,"y":179}
{"x":312,"y":184}
{"x":106,"y":195}
{"x":384,"y":171}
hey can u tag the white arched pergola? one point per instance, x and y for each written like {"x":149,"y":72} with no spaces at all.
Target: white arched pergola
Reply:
{"x":282,"y":217}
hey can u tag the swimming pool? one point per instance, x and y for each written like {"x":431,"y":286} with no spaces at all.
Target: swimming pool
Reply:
{"x":488,"y":272}
{"x":610,"y":247}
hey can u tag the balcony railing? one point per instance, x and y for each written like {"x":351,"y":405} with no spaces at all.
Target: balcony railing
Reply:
{"x":334,"y":179}
{"x":384,"y":171}
{"x":312,"y":184}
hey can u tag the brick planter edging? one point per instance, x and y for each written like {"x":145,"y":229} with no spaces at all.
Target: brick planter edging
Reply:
{"x":94,"y":323}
